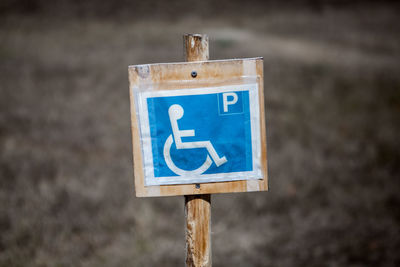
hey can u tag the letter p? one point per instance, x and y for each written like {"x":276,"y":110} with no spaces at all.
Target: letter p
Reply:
{"x":233,"y":99}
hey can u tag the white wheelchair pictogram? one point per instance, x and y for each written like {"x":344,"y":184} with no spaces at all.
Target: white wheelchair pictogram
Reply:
{"x":175,"y":112}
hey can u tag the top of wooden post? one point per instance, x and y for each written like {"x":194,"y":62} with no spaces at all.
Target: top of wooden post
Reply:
{"x":196,"y":47}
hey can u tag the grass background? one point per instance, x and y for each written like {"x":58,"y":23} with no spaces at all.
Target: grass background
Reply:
{"x":332,"y":91}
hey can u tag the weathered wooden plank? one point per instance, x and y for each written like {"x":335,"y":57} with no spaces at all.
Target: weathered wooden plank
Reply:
{"x":196,"y":47}
{"x":198,"y":230}
{"x":197,"y":207}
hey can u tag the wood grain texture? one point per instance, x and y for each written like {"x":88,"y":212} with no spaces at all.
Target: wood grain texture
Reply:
{"x":210,"y":73}
{"x":197,"y":207}
{"x":195,"y":47}
{"x":198,"y":230}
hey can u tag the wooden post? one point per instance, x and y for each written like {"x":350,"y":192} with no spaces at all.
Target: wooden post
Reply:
{"x":197,"y":207}
{"x":196,"y":47}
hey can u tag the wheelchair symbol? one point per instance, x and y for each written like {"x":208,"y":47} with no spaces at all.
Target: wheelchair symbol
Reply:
{"x":175,"y":112}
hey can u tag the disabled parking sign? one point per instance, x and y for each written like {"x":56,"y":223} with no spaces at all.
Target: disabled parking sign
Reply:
{"x":200,"y":135}
{"x":198,"y":127}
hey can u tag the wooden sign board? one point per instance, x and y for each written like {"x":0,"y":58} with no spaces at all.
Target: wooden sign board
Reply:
{"x":198,"y":127}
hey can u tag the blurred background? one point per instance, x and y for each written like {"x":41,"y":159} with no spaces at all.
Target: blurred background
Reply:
{"x":332,"y":91}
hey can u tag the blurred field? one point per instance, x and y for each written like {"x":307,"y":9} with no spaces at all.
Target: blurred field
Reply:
{"x":332,"y":91}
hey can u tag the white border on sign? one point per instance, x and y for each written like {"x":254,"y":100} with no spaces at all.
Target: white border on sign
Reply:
{"x":147,"y":152}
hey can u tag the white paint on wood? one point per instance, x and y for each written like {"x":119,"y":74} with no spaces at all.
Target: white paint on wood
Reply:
{"x":153,"y":190}
{"x":253,"y":185}
{"x":249,"y":68}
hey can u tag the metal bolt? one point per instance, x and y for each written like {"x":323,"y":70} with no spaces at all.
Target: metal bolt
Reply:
{"x":194,"y":74}
{"x":197,"y":186}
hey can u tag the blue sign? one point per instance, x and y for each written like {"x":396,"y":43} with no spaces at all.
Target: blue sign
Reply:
{"x":198,"y":135}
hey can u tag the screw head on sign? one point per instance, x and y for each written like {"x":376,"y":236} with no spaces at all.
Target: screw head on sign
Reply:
{"x":194,"y":74}
{"x":197,"y":186}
